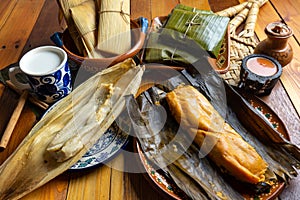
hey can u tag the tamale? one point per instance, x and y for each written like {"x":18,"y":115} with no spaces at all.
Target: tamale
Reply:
{"x":170,"y":149}
{"x":114,"y":26}
{"x":36,"y":161}
{"x":65,"y":6}
{"x":85,"y":19}
{"x":208,"y":30}
{"x":156,"y":52}
{"x":218,"y":139}
{"x":192,"y":9}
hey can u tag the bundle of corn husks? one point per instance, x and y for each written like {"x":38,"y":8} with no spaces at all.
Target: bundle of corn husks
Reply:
{"x":69,"y":130}
{"x":243,"y":43}
{"x":98,"y":27}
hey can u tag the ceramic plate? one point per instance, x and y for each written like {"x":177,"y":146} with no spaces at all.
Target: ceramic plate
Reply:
{"x":108,"y":145}
{"x":169,"y":187}
{"x":105,"y":148}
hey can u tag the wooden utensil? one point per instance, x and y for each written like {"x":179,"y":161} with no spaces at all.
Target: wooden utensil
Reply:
{"x":13,"y":120}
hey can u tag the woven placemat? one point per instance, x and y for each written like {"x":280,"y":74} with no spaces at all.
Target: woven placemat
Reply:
{"x":244,"y":43}
{"x":239,"y":48}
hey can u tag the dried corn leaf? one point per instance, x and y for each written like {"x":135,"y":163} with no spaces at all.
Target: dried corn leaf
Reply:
{"x":85,"y":19}
{"x":114,"y":26}
{"x":65,"y":6}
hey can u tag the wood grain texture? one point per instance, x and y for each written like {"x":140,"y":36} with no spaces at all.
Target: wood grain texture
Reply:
{"x":106,"y":182}
{"x":41,"y":33}
{"x":289,"y":12}
{"x":16,"y":30}
{"x":6,"y":8}
{"x":162,"y":7}
{"x":136,"y":10}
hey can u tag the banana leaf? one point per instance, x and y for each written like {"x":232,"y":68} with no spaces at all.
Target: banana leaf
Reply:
{"x":192,"y":9}
{"x":164,"y":143}
{"x":207,"y":30}
{"x":170,"y":54}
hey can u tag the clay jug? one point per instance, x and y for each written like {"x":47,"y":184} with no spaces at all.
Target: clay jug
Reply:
{"x":276,"y":44}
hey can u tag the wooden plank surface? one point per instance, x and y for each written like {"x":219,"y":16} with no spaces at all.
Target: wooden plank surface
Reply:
{"x":17,"y":28}
{"x":105,"y":182}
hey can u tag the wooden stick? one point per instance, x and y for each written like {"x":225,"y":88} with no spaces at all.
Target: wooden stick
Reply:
{"x":13,"y":120}
{"x":33,"y":100}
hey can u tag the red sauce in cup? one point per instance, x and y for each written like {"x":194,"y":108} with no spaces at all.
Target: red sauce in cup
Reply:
{"x":261,"y":66}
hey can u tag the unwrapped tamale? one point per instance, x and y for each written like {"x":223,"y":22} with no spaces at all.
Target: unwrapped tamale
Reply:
{"x":224,"y":146}
{"x":67,"y":131}
{"x":184,"y":26}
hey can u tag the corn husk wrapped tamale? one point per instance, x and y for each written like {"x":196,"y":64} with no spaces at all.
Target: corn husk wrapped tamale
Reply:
{"x":114,"y":26}
{"x":207,"y":30}
{"x":251,"y":19}
{"x":65,"y":6}
{"x":66,"y":133}
{"x":85,"y":19}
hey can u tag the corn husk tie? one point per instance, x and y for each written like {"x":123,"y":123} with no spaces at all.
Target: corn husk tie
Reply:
{"x":114,"y":26}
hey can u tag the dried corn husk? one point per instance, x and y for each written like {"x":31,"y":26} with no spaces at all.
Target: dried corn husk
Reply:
{"x":85,"y":19}
{"x":251,"y":19}
{"x":239,"y":18}
{"x":232,"y":11}
{"x":36,"y":161}
{"x":65,"y":6}
{"x":114,"y":26}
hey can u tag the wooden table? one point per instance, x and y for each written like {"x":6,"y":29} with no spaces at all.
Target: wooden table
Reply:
{"x":27,"y":24}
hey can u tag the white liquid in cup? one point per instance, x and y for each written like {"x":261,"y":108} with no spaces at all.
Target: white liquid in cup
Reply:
{"x":42,"y":61}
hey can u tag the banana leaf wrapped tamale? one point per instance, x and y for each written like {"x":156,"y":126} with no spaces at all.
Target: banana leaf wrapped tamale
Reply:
{"x":157,"y":52}
{"x":208,"y":30}
{"x":163,"y":51}
{"x":66,"y":133}
{"x":192,"y":9}
{"x":189,"y":167}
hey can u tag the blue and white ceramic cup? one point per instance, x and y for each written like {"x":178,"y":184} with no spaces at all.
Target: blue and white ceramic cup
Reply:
{"x":46,"y":71}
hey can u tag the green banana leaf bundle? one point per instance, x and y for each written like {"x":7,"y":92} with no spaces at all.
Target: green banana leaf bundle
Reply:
{"x":176,"y":42}
{"x":207,"y":30}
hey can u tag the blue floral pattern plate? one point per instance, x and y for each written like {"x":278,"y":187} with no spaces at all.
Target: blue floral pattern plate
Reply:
{"x":105,"y":148}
